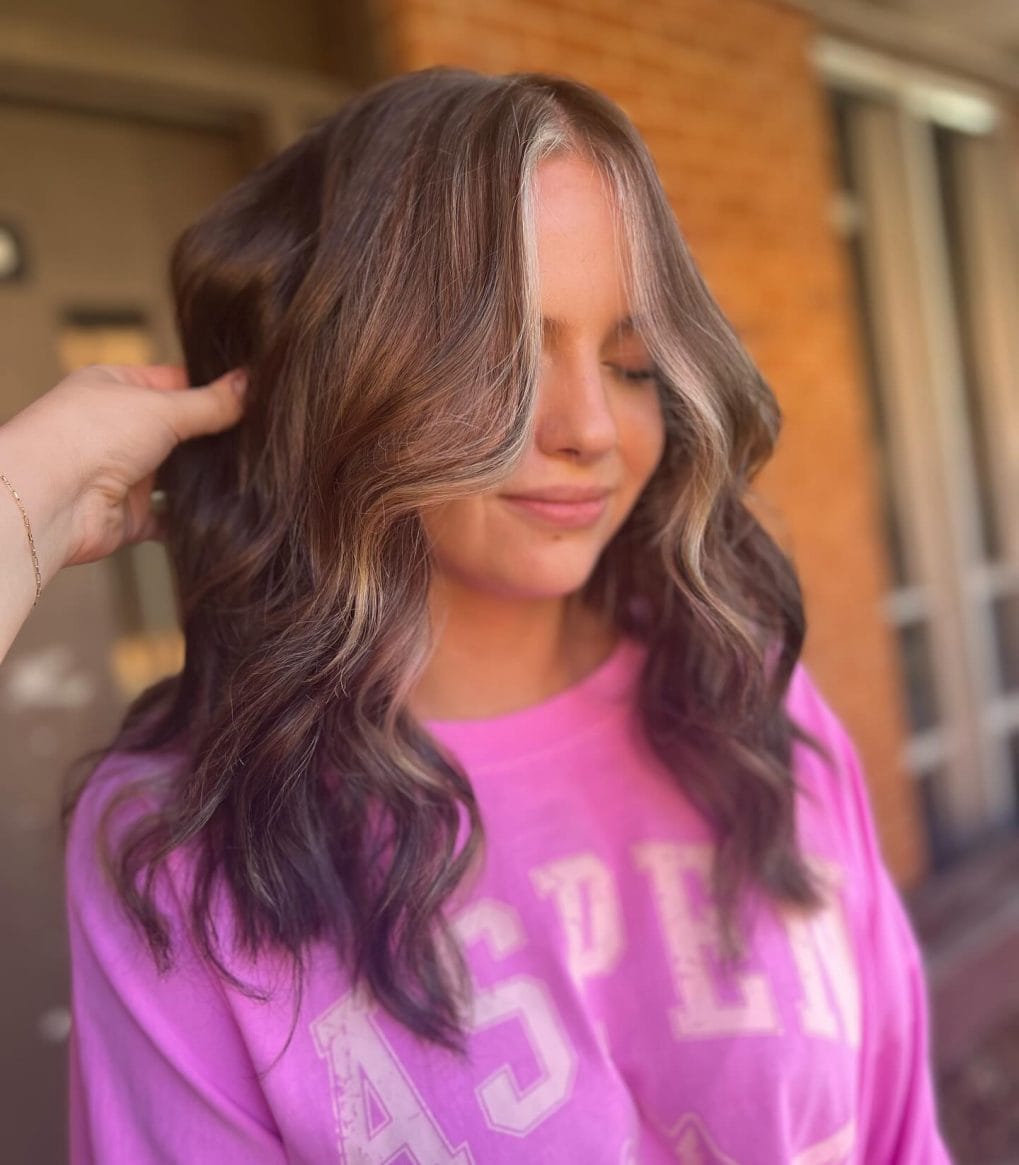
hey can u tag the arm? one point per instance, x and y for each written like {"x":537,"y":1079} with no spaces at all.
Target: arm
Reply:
{"x":38,"y":485}
{"x":82,"y":459}
{"x":159,"y":1071}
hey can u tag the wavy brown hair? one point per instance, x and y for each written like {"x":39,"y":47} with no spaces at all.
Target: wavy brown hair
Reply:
{"x":377,"y":279}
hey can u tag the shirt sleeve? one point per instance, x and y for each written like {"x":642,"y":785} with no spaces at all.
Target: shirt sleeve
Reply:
{"x":898,"y":1110}
{"x":158,"y":1070}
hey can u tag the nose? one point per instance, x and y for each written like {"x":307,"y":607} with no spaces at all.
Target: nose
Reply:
{"x":575,"y":416}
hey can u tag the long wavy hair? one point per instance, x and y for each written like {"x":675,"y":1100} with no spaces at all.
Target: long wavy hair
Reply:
{"x":377,"y":279}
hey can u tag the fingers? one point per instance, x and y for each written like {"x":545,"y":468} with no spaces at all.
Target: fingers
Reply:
{"x":162,"y":376}
{"x":141,"y":518}
{"x":211,"y":409}
{"x":152,"y":528}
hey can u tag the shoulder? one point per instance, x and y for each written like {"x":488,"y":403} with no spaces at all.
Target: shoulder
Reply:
{"x":808,"y":705}
{"x":124,"y":792}
{"x":119,"y":891}
{"x":835,"y":786}
{"x":810,"y":710}
{"x":161,"y":1062}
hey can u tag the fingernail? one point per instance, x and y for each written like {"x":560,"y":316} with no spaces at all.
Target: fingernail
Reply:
{"x":239,"y":382}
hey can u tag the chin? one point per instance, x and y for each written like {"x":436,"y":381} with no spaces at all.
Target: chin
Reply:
{"x":548,"y":580}
{"x":518,"y":569}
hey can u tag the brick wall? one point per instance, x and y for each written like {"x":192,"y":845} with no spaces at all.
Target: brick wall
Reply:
{"x":727,"y":100}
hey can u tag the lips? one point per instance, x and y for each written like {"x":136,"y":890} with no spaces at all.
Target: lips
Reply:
{"x":568,"y":507}
{"x":566,"y":494}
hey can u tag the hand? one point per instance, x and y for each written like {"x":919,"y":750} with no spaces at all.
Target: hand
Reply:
{"x":103,"y":432}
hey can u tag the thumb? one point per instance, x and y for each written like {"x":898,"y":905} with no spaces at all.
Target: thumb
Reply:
{"x":199,"y":411}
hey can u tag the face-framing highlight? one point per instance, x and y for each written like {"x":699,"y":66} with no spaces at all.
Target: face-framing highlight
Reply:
{"x":599,"y":430}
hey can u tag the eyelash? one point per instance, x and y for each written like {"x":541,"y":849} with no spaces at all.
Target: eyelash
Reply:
{"x":638,"y":375}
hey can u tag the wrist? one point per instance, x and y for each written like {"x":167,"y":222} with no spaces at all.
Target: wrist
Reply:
{"x":46,"y":492}
{"x":32,"y":549}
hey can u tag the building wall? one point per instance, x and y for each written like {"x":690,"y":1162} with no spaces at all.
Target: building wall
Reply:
{"x":728,"y":102}
{"x":294,"y":35}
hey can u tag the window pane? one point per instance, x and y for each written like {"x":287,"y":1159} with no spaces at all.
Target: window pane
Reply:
{"x":929,"y":784}
{"x":921,"y":695}
{"x":1013,"y":759}
{"x":1005,"y":618}
{"x":103,"y":336}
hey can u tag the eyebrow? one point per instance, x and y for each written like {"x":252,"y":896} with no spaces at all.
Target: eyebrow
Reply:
{"x":553,"y":329}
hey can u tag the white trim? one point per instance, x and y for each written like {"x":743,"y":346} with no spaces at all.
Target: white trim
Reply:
{"x":945,"y":43}
{"x":1001,"y":715}
{"x":906,"y":605}
{"x":925,"y":92}
{"x":992,"y":580}
{"x":986,"y":174}
{"x":925,"y":751}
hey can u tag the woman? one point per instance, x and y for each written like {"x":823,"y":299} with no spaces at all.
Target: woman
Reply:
{"x":492,"y":817}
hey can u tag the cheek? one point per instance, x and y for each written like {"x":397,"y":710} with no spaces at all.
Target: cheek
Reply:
{"x":459,"y":532}
{"x":447,"y":525}
{"x":643,"y":437}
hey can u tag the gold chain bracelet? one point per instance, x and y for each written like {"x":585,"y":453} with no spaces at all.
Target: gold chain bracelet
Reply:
{"x":28,"y":531}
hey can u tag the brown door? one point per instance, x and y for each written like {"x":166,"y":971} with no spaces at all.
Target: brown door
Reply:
{"x":93,"y":203}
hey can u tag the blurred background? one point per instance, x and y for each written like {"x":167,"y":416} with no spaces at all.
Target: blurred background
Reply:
{"x":847,"y":175}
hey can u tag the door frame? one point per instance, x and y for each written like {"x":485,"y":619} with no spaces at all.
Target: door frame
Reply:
{"x":268,"y":106}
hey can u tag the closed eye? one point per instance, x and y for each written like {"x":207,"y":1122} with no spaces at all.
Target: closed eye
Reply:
{"x":635,"y":374}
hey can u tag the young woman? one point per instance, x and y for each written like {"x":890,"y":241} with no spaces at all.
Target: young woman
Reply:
{"x":492,"y":817}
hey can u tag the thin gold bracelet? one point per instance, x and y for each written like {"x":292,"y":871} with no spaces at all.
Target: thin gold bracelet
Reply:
{"x":28,"y":531}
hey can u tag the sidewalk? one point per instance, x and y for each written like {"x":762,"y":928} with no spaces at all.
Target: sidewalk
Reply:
{"x":967,"y":920}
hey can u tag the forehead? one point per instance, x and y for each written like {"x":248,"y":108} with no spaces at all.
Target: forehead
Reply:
{"x":573,"y":197}
{"x":581,"y":250}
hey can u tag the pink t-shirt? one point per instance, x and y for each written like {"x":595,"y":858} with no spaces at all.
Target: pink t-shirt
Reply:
{"x":603,"y":1030}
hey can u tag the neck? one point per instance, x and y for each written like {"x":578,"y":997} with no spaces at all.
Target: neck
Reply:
{"x":494,"y":655}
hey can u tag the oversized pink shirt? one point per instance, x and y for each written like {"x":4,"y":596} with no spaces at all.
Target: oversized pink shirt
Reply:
{"x":604,"y":1031}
